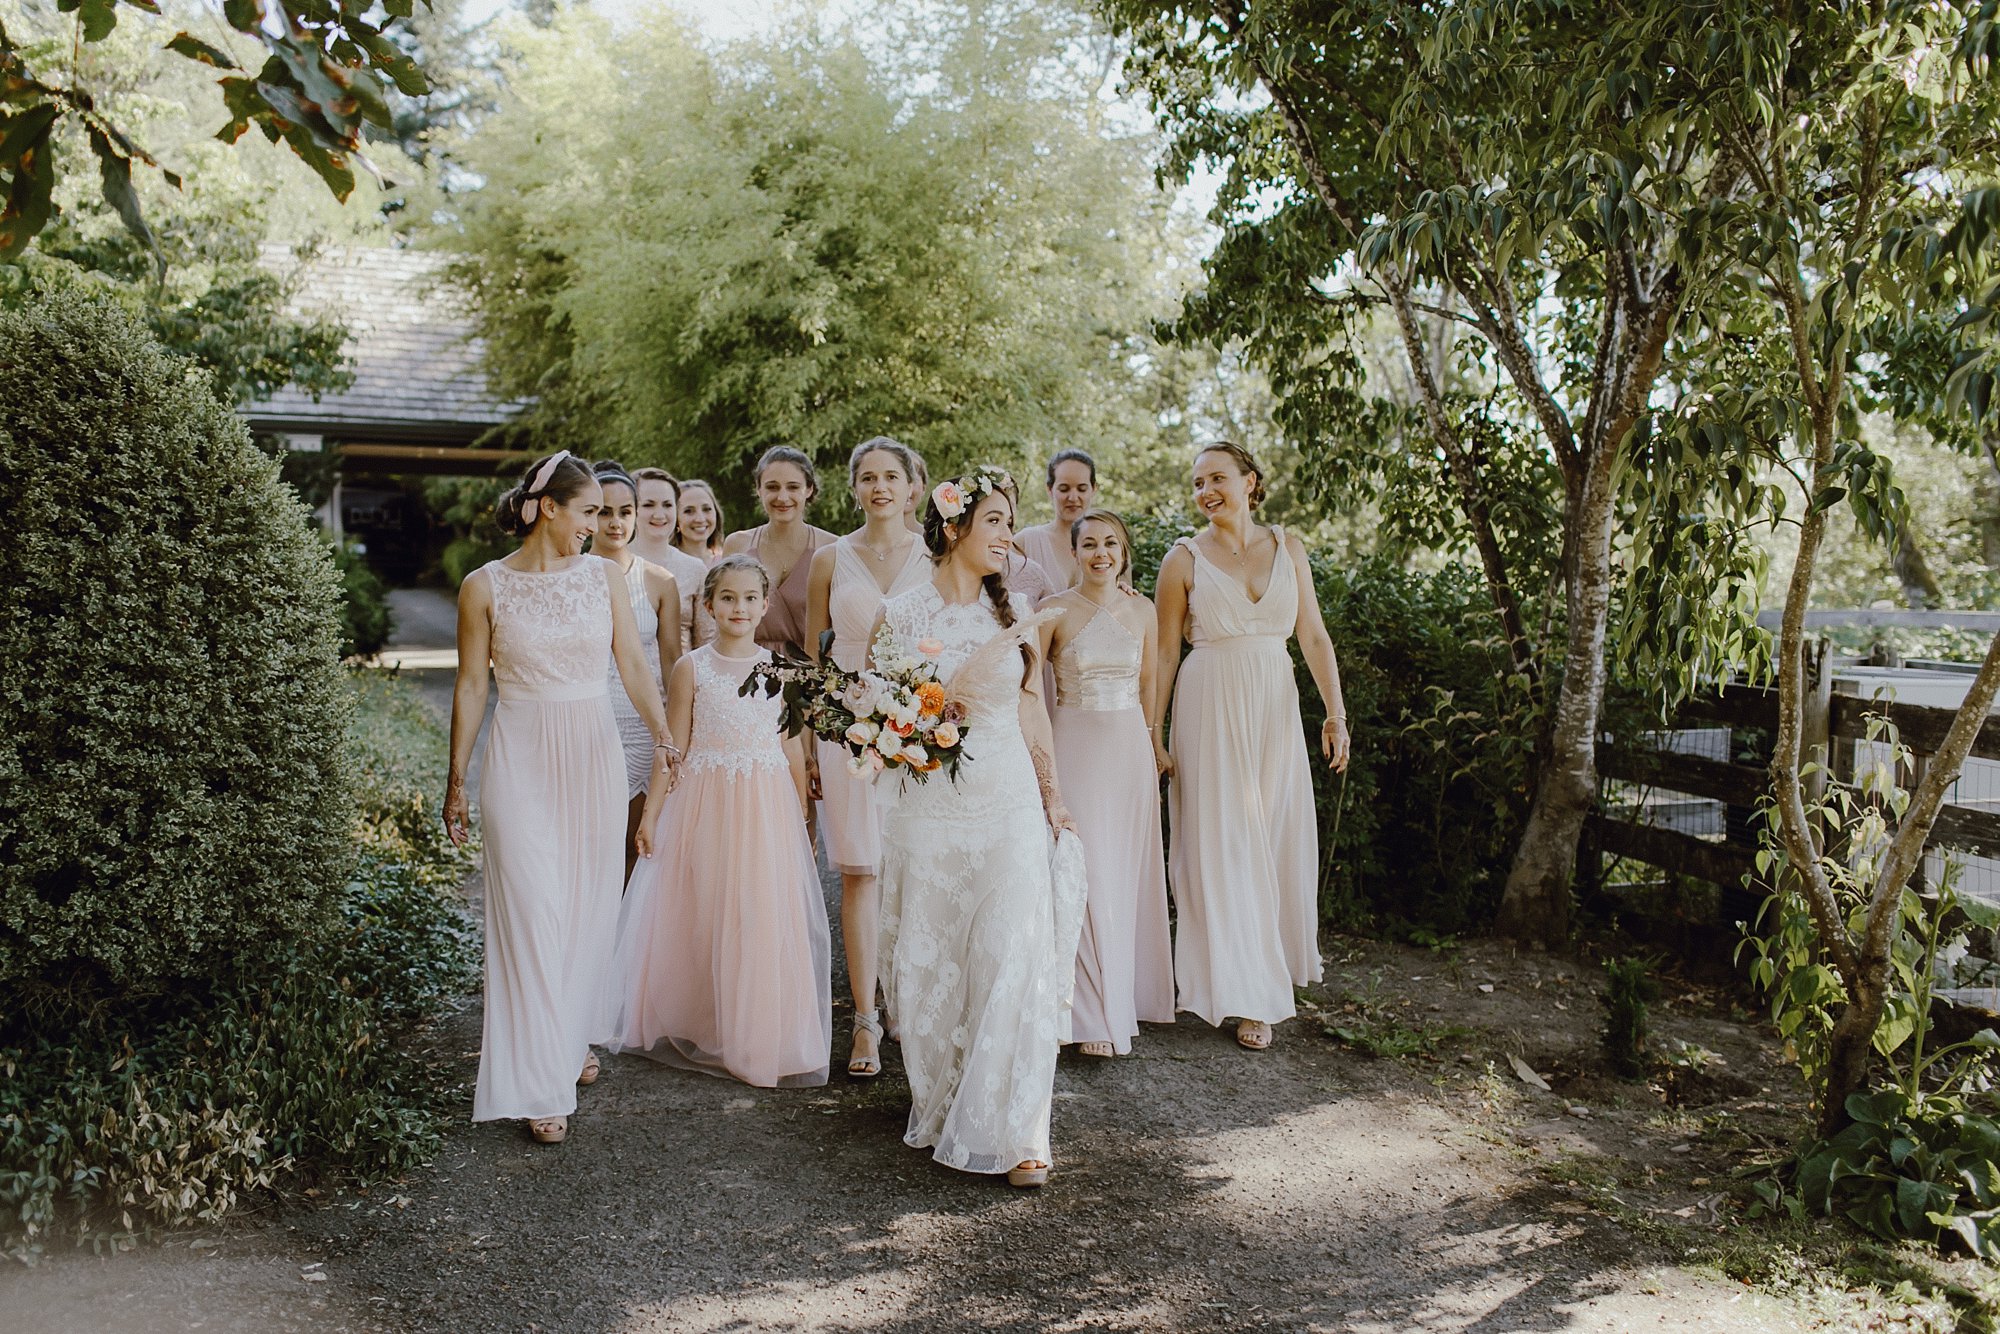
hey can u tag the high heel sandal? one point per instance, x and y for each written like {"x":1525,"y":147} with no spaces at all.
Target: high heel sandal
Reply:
{"x":591,"y":1066}
{"x":1028,"y":1175}
{"x":549,"y":1129}
{"x":865,"y":1067}
{"x":1253,"y":1034}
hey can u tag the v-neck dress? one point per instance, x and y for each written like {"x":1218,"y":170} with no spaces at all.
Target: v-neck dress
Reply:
{"x":1244,"y":859}
{"x":784,"y":627}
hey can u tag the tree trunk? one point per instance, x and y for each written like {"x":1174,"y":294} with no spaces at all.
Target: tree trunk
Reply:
{"x":1535,"y":906}
{"x":1913,"y":572}
{"x":1848,"y":1053}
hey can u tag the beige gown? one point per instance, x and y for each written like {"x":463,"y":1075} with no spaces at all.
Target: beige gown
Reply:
{"x":1245,"y":856}
{"x":552,"y":817}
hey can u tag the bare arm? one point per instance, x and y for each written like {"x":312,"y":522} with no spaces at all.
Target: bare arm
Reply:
{"x":741,"y":540}
{"x":665,"y":595}
{"x":680,"y":719}
{"x":633,"y":671}
{"x":819,"y":599}
{"x":1149,"y":670}
{"x":1170,"y":612}
{"x":1316,"y":647}
{"x":1041,"y":744}
{"x":468,"y":696}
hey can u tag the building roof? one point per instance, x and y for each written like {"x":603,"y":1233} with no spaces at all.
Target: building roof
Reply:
{"x":410,"y":347}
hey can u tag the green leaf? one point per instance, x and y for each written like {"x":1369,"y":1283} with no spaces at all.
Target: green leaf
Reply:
{"x":194,"y":48}
{"x":99,"y":18}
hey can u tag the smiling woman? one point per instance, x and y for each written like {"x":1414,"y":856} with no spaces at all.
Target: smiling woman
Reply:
{"x":547,"y":619}
{"x":787,"y":483}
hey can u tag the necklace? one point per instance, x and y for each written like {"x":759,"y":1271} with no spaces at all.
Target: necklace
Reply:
{"x":869,"y":547}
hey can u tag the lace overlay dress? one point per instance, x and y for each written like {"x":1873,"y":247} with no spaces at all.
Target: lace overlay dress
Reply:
{"x":551,"y":806}
{"x":980,"y":910}
{"x":850,"y":817}
{"x":723,"y":959}
{"x":1245,"y":856}
{"x":632,"y":732}
{"x":1104,"y":757}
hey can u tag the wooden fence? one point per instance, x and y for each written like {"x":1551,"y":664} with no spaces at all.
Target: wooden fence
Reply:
{"x":1834,"y":718}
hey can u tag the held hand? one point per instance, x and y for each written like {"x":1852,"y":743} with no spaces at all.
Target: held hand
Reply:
{"x":1163,"y":763}
{"x":1333,"y":743}
{"x":642,"y":837}
{"x":1060,"y":819}
{"x":667,"y":765}
{"x":815,"y":790}
{"x":456,"y":815}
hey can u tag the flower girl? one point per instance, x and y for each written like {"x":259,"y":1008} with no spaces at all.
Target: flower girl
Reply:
{"x":722,"y":941}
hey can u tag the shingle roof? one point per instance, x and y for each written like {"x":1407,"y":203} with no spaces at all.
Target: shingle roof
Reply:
{"x":410,"y":347}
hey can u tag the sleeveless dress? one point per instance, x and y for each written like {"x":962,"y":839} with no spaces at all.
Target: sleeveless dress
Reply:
{"x":1104,"y":757}
{"x":850,"y":817}
{"x":688,"y":572}
{"x":723,"y":961}
{"x":551,"y":806}
{"x":1039,"y":545}
{"x":980,"y":909}
{"x":784,"y":626}
{"x":1245,"y":855}
{"x":632,"y":731}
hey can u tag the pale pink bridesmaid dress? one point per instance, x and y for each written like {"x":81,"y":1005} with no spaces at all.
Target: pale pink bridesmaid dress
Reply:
{"x":1245,"y":855}
{"x":552,"y":819}
{"x":850,"y":816}
{"x":723,"y":960}
{"x":1104,"y":758}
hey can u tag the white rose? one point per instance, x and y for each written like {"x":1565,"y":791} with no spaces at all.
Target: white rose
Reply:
{"x":863,"y":732}
{"x":888,"y":744}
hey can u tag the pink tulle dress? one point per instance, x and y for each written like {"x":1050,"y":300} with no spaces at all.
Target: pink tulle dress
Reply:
{"x":1104,"y":757}
{"x":850,"y":815}
{"x":723,"y":958}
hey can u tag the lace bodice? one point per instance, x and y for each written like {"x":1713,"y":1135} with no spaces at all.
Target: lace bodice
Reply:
{"x":922,"y":615}
{"x":732,"y":732}
{"x":854,"y":599}
{"x":649,"y":626}
{"x":1099,"y":669}
{"x":551,"y":629}
{"x":1219,"y":610}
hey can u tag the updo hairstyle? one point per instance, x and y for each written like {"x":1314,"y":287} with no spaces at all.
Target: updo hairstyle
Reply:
{"x":516,"y":512}
{"x":902,"y":453}
{"x":611,"y":470}
{"x":1112,"y":518}
{"x":795,"y":457}
{"x":657,"y":475}
{"x":742,"y":560}
{"x":1071,"y":456}
{"x":941,"y":533}
{"x":1246,"y":463}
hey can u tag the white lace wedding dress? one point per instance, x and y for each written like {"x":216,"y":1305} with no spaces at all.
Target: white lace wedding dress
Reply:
{"x":980,"y":910}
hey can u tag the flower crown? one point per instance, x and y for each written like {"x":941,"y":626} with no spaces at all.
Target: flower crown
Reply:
{"x":953,"y":498}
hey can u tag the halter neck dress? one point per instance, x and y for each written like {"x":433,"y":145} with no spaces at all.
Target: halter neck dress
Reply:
{"x":1245,"y":856}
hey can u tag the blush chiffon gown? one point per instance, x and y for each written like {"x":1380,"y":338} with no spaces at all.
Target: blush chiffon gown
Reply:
{"x":551,"y":806}
{"x":723,"y":954}
{"x":1245,"y":851}
{"x":1104,"y":757}
{"x":850,"y":816}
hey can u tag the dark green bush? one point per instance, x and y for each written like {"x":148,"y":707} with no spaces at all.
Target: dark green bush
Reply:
{"x":167,"y":1108}
{"x":171,"y":700}
{"x":365,"y":619}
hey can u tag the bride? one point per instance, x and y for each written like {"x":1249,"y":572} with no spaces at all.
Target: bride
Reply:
{"x":982,"y":877}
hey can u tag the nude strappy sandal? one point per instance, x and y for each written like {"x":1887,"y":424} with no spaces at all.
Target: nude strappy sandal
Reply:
{"x":549,"y":1129}
{"x":866,"y":1067}
{"x":591,"y":1068}
{"x":1253,"y":1034}
{"x":1028,"y":1175}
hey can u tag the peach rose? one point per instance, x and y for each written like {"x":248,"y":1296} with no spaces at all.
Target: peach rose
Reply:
{"x":945,"y":737}
{"x":930,"y":648}
{"x":948,"y":500}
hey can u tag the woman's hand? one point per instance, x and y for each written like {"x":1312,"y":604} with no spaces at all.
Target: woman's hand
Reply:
{"x":1060,"y":819}
{"x":642,"y":837}
{"x":1333,"y":742}
{"x":667,"y":765}
{"x":457,"y":814}
{"x":815,"y":790}
{"x":1163,"y":763}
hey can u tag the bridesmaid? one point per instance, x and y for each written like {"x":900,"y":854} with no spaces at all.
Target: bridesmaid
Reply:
{"x":1245,"y":857}
{"x":656,"y":610}
{"x":850,"y":579}
{"x":1025,"y":575}
{"x":784,"y":544}
{"x":722,"y":960}
{"x":659,"y":523}
{"x":1072,"y":490}
{"x":699,"y":531}
{"x":546,"y":618}
{"x":1109,"y":757}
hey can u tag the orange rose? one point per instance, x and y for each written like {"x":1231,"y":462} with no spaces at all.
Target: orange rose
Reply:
{"x":930,"y":697}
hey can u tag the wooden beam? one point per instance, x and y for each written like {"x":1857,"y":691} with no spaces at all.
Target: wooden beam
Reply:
{"x":1920,"y":726}
{"x":1735,"y":784}
{"x":1968,"y":829}
{"x":1723,"y":864}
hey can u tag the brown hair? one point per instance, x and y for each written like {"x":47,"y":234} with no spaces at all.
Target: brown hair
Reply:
{"x":742,"y":560}
{"x":894,"y":448}
{"x":1111,"y":518}
{"x":786,"y":454}
{"x":941,"y":534}
{"x":512,"y":512}
{"x":1072,"y":456}
{"x":1246,"y":463}
{"x":657,"y":475}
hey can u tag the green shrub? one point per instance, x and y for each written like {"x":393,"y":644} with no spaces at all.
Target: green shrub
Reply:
{"x":1629,"y":989}
{"x":463,"y":555}
{"x":168,"y":1108}
{"x":365,"y":619}
{"x":171,"y":700}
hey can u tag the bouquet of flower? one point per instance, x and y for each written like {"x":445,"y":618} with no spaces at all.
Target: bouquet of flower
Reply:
{"x":892,"y":716}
